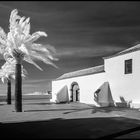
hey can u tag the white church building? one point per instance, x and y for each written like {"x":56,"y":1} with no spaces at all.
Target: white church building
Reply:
{"x":117,"y":82}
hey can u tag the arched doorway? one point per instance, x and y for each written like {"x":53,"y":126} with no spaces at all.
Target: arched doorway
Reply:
{"x":75,"y":92}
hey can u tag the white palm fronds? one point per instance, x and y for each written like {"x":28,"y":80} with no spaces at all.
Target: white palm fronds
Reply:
{"x":19,"y":41}
{"x":7,"y":71}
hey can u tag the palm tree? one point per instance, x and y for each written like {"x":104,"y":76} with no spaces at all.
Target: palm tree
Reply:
{"x":7,"y":72}
{"x":19,"y":44}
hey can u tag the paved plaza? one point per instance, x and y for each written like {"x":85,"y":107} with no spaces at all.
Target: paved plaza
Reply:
{"x":42,"y":119}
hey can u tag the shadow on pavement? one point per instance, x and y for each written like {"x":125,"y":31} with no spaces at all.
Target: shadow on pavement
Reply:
{"x":114,"y":135}
{"x":48,"y":103}
{"x":70,"y":128}
{"x":109,"y":109}
{"x":100,"y":109}
{"x":57,"y":109}
{"x":73,"y":109}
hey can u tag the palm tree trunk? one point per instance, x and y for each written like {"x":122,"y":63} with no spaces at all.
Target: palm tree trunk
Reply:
{"x":9,"y":91}
{"x":18,"y":88}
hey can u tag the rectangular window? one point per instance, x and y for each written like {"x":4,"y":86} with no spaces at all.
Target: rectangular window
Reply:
{"x":128,"y":66}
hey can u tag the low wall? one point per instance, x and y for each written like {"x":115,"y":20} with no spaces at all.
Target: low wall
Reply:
{"x":28,"y":97}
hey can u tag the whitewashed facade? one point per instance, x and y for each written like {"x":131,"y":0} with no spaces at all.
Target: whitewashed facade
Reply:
{"x":122,"y":84}
{"x":86,"y":88}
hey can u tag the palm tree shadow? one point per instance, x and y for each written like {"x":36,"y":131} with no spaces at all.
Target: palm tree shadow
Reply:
{"x":108,"y":109}
{"x":95,"y":109}
{"x":73,"y":109}
{"x":77,"y":110}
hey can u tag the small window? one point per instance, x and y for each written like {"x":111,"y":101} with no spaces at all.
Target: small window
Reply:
{"x":128,"y":66}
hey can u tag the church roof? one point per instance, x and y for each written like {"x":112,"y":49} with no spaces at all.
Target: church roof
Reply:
{"x":88,"y":71}
{"x":129,"y":50}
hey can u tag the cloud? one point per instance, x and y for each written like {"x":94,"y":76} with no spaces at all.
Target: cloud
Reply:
{"x":83,"y":52}
{"x":34,"y":81}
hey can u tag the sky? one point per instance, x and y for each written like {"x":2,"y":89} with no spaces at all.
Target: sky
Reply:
{"x":81,"y":33}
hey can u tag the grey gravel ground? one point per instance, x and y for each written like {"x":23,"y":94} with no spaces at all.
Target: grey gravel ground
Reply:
{"x":42,"y":119}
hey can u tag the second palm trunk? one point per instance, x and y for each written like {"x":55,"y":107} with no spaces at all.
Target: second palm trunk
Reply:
{"x":8,"y":91}
{"x":18,"y":88}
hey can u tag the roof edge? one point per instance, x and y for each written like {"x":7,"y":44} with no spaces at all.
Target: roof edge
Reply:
{"x":78,"y":76}
{"x":100,"y":71}
{"x":121,"y":53}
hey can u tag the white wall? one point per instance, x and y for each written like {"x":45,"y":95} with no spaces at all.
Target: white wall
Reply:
{"x":87,"y":84}
{"x":121,"y":84}
{"x":126,"y":85}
